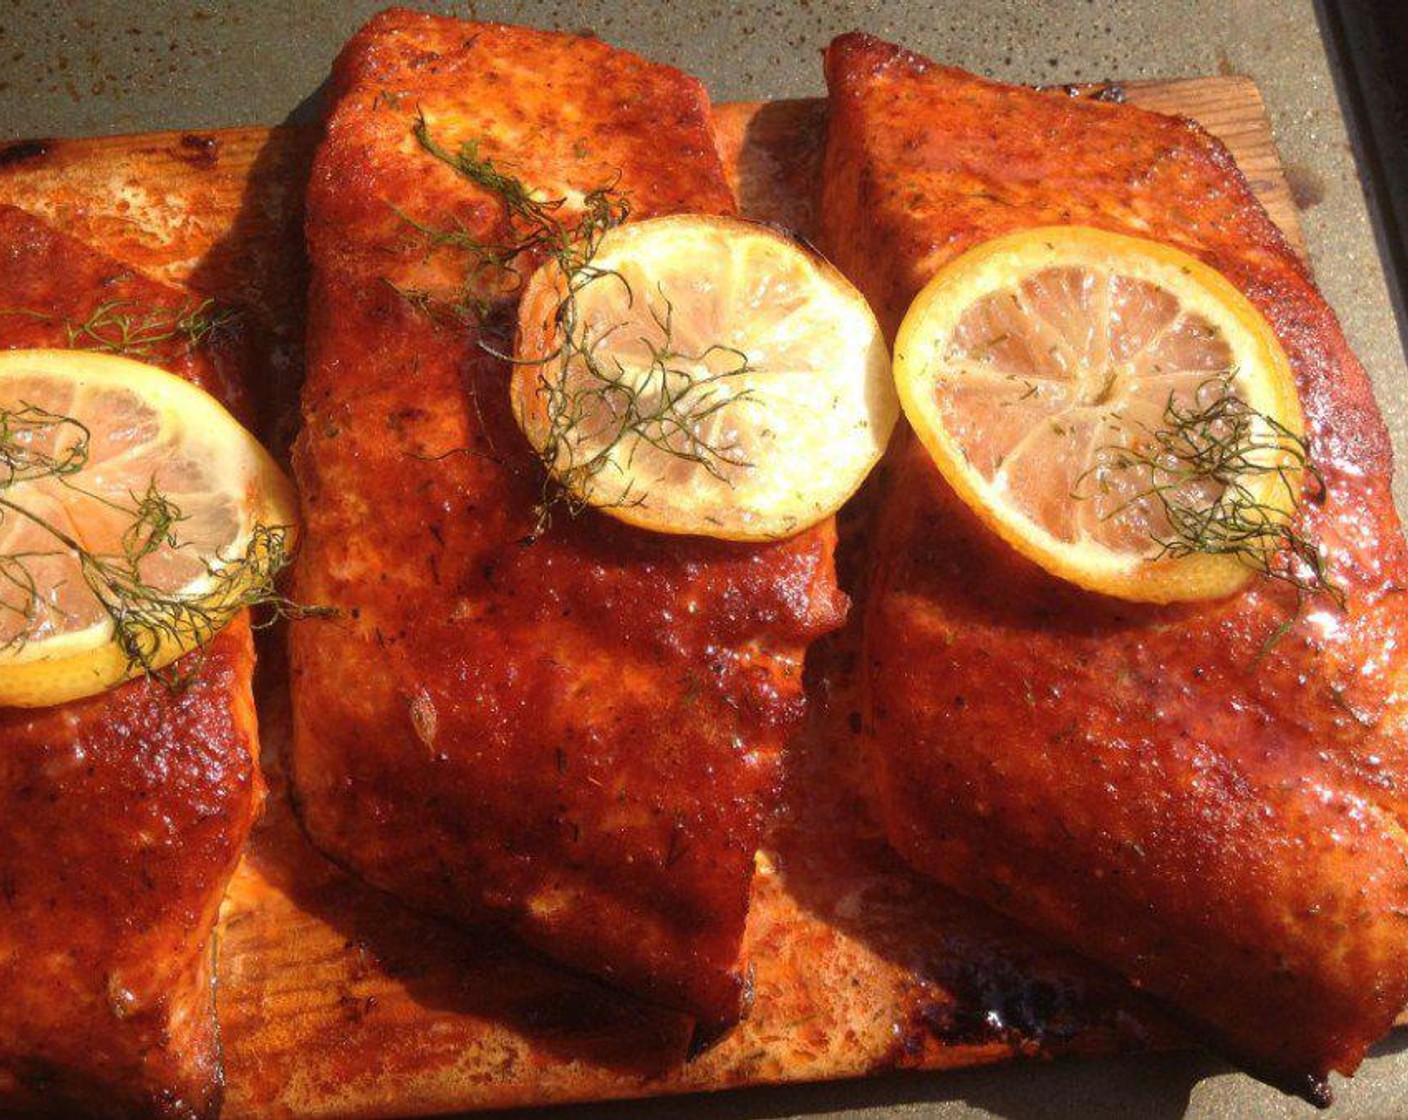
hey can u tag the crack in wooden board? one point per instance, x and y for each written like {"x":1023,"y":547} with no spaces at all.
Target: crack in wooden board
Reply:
{"x":335,"y":1001}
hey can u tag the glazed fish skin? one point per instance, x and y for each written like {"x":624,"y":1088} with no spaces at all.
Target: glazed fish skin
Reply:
{"x":1219,"y":822}
{"x":124,"y":813}
{"x":576,"y":737}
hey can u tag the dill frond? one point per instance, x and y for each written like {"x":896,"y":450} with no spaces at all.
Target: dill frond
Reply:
{"x":667,"y":406}
{"x":539,"y":227}
{"x":36,"y":444}
{"x":592,"y":403}
{"x":147,"y":619}
{"x":1204,"y":467}
{"x":131,"y":329}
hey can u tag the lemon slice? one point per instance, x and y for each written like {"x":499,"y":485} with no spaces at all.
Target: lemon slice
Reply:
{"x":104,"y":462}
{"x":703,"y":375}
{"x":1114,"y":408}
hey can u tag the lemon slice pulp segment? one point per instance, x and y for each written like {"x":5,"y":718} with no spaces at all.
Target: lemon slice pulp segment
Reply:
{"x":1111,"y":406}
{"x":135,"y":514}
{"x":703,"y":375}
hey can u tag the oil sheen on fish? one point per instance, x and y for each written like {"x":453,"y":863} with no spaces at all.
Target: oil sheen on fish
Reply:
{"x":574,"y":733}
{"x":1219,"y":820}
{"x":125,"y":813}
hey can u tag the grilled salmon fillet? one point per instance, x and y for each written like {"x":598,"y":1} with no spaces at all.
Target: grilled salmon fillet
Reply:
{"x":575,"y":734}
{"x":123,"y":814}
{"x":1218,"y":819}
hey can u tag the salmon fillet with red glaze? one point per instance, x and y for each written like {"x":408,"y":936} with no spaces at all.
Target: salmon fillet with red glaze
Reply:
{"x":576,"y":736}
{"x":1221,"y":825}
{"x":124,"y":814}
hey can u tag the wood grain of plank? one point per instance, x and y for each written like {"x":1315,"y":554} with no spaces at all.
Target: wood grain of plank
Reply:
{"x":336,"y":1001}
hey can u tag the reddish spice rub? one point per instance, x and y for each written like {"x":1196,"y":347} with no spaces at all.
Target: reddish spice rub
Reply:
{"x":124,"y":814}
{"x":577,"y":736}
{"x":1220,"y":825}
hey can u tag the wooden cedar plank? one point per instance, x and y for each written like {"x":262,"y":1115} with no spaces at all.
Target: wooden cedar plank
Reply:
{"x":335,"y":1001}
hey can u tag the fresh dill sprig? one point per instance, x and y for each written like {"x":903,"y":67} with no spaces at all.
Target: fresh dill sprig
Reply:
{"x":146,"y":619}
{"x":592,"y":403}
{"x":538,"y":227}
{"x":37,"y":444}
{"x":466,"y":309}
{"x":131,"y":329}
{"x":668,"y":406}
{"x":1204,"y":466}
